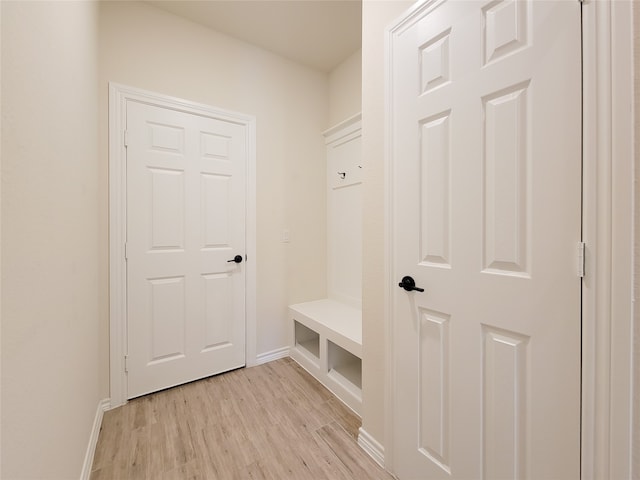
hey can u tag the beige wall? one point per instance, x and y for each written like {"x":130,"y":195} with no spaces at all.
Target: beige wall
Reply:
{"x":376,"y":15}
{"x":50,"y":387}
{"x":144,"y":47}
{"x":345,"y":89}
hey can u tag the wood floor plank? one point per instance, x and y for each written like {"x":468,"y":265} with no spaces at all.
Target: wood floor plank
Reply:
{"x":331,"y":465}
{"x":159,"y":450}
{"x":339,"y":412}
{"x":271,"y":422}
{"x":103,"y":473}
{"x":138,"y":465}
{"x":256,"y":471}
{"x":192,"y":470}
{"x":220,"y":451}
{"x":350,"y":454}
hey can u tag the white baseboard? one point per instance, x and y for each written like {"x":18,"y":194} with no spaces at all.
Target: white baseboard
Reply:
{"x":371,"y":446}
{"x":103,"y":406}
{"x":272,"y":355}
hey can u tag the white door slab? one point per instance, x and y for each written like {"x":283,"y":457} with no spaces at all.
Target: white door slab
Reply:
{"x":186,"y":189}
{"x":486,"y":217}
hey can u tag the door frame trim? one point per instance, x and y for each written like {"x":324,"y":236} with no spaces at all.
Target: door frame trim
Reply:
{"x":118,"y":97}
{"x":607,"y":326}
{"x":607,"y":332}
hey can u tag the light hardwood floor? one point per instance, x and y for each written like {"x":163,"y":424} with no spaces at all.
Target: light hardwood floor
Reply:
{"x":273,"y":421}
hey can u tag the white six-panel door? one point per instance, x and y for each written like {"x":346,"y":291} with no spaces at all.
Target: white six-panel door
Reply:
{"x":486,"y":199}
{"x":186,"y":188}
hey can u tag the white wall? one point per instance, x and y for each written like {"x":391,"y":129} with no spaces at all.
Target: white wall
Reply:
{"x":376,"y":15}
{"x":345,"y":89}
{"x":50,"y":386}
{"x":145,"y":47}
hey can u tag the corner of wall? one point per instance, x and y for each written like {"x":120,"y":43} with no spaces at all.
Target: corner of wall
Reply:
{"x":345,"y":89}
{"x":376,"y":16}
{"x":103,"y":406}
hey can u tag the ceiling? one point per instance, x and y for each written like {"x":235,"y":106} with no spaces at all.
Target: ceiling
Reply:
{"x":317,"y":33}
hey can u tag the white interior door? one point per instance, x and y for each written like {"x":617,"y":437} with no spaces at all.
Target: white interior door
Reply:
{"x":486,"y":196}
{"x":186,"y":188}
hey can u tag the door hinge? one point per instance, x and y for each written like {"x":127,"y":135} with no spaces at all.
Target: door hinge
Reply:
{"x":126,"y":253}
{"x":126,"y":138}
{"x":581,"y":259}
{"x":126,"y":363}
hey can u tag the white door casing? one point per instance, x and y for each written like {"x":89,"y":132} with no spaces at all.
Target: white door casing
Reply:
{"x":485,"y":109}
{"x":189,"y":206}
{"x":608,"y":407}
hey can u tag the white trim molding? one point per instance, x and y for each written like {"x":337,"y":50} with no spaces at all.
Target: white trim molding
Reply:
{"x":607,"y":233}
{"x":103,"y":406}
{"x":371,"y":446}
{"x":344,"y":128}
{"x":119,"y":95}
{"x":276,"y":354}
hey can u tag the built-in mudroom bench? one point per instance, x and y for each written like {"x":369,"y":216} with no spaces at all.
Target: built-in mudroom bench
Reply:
{"x":328,"y":344}
{"x":326,"y":334}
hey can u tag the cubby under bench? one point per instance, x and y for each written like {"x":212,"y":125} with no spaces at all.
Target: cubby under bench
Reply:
{"x":327,"y":342}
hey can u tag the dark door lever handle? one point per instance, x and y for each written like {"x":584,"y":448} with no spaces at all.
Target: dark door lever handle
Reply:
{"x":237,"y":259}
{"x":409,"y":284}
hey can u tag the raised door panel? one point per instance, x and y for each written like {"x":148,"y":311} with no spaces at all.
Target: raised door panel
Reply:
{"x":435,"y":192}
{"x":218,"y":310}
{"x":167,"y":209}
{"x":505,"y":416}
{"x":435,"y":62}
{"x":215,"y":210}
{"x":507,"y":169}
{"x":434,"y":440}
{"x":506,"y":28}
{"x":168,"y":319}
